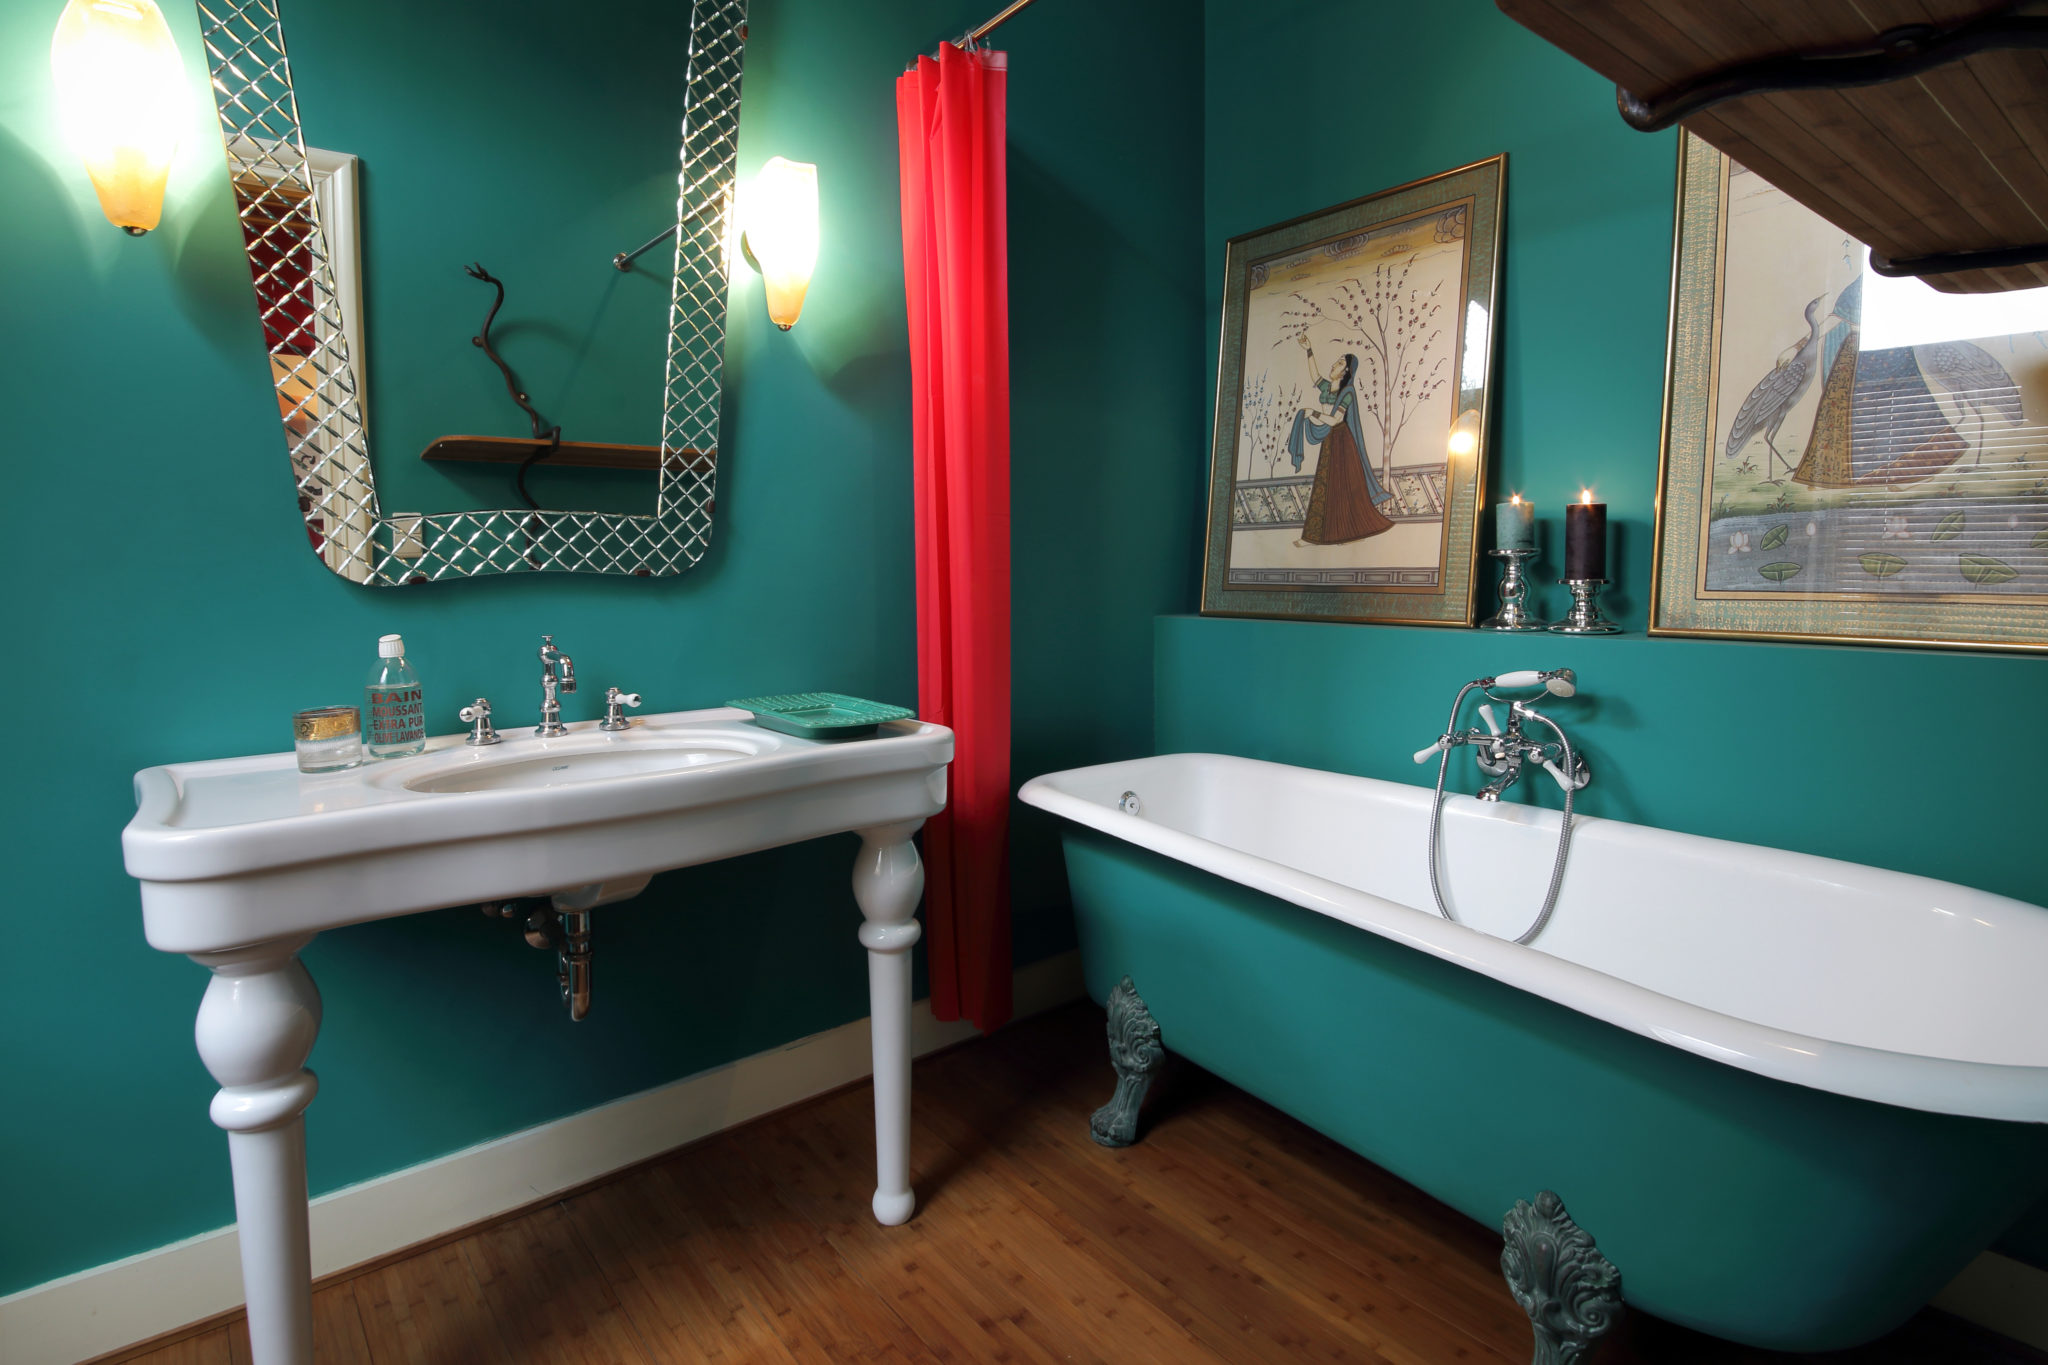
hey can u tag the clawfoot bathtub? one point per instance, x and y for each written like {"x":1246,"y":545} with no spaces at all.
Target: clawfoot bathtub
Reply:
{"x":1789,"y":1097}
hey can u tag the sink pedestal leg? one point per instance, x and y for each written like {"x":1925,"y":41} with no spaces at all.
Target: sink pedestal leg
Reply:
{"x":887,"y":882}
{"x":256,"y":1027}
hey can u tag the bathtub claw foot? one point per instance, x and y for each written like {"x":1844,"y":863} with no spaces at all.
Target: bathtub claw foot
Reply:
{"x":1135,"y":1052}
{"x":1571,"y":1292}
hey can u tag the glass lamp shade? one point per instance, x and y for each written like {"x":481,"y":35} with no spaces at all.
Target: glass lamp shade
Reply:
{"x":782,"y":234}
{"x":122,"y":100}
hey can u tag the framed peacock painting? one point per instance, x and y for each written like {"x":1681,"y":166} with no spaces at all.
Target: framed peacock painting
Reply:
{"x":1847,"y":457}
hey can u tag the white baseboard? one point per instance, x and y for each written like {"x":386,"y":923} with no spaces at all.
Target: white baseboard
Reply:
{"x":2006,"y":1296}
{"x":110,"y":1306}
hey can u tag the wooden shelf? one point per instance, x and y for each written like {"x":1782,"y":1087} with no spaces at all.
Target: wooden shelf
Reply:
{"x":1954,"y":159}
{"x":569,"y":455}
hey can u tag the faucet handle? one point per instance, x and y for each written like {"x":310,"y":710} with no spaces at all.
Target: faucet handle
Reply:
{"x":615,"y":703}
{"x":1492,"y":725}
{"x":1573,"y":780}
{"x":478,"y":716}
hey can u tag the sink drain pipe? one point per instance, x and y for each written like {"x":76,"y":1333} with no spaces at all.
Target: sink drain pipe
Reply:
{"x":563,"y":924}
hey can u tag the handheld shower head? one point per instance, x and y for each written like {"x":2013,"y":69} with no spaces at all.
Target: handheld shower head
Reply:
{"x":1559,"y":682}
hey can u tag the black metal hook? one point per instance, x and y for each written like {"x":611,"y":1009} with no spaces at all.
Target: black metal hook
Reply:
{"x":541,"y":430}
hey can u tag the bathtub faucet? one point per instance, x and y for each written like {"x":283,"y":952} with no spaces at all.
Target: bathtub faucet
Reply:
{"x":1502,"y":756}
{"x":1501,"y":753}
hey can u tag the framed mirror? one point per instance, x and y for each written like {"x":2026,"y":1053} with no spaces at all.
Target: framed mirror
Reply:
{"x":298,"y":210}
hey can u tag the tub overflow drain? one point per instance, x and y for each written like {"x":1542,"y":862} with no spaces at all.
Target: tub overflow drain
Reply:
{"x":1130,"y":804}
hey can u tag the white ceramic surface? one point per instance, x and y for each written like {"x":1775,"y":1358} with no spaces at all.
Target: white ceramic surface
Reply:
{"x":1828,"y":974}
{"x":240,"y":850}
{"x":242,"y":861}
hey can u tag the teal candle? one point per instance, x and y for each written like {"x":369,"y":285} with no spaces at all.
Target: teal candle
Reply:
{"x":1514,"y":524}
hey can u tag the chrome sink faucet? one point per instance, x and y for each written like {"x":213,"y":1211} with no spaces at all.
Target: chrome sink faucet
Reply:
{"x":557,"y":674}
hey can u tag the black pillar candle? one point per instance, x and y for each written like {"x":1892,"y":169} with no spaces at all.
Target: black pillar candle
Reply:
{"x":1585,"y":540}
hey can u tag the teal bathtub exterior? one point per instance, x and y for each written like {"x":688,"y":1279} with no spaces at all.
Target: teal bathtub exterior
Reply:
{"x":1747,"y":1207}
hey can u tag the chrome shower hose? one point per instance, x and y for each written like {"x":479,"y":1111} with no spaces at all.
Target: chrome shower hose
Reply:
{"x":1564,"y":830}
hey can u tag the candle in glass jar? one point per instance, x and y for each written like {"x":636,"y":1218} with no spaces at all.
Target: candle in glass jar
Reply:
{"x":1585,"y":538}
{"x":1514,"y":524}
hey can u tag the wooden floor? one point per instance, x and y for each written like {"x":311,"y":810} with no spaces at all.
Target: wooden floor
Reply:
{"x":1229,"y":1233}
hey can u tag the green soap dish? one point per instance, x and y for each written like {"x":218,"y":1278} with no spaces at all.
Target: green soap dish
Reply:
{"x":820,"y":715}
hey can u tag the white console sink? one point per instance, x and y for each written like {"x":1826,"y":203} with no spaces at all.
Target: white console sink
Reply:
{"x":243,"y":860}
{"x":239,"y":850}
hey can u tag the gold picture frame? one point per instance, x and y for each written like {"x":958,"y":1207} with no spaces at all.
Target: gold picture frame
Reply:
{"x":1843,"y":461}
{"x":1353,"y":405}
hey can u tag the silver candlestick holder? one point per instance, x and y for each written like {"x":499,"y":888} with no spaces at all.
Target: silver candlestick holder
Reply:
{"x":1584,"y":618}
{"x":1514,"y":614}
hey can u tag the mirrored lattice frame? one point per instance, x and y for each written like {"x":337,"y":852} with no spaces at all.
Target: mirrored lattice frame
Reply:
{"x":316,"y":380}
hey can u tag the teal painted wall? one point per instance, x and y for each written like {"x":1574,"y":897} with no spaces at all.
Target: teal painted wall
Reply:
{"x":1880,"y":756}
{"x":162,"y":588}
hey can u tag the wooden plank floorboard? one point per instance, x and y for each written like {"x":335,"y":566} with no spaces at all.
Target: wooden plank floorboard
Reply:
{"x":1240,"y":1242}
{"x":996,"y":1290}
{"x":824,"y":1313}
{"x":656,"y":1262}
{"x":547,"y":1298}
{"x":1054,"y":1265}
{"x":1379,"y":1266}
{"x":813,"y":1189}
{"x":1132,"y":1248}
{"x":209,"y":1348}
{"x":1244,"y":1315}
{"x":338,"y":1337}
{"x":1342,"y":1208}
{"x":427,"y":1310}
{"x":1229,"y":1233}
{"x":933,"y":1280}
{"x":1290,"y":1232}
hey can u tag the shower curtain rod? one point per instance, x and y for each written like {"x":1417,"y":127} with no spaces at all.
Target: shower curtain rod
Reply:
{"x":982,"y":30}
{"x":975,"y":35}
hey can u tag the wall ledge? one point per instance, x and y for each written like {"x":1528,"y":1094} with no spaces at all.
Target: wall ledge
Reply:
{"x":102,"y":1309}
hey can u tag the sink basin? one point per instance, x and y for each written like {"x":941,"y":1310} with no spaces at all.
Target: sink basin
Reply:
{"x":236,"y":851}
{"x":561,"y":763}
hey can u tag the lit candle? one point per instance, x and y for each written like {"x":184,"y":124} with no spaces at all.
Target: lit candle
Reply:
{"x":1585,"y":538}
{"x":1514,"y":524}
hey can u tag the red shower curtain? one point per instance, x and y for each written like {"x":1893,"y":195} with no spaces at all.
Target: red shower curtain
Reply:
{"x":949,"y":119}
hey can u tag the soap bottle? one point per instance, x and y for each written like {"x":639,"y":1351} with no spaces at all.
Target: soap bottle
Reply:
{"x":394,"y":718}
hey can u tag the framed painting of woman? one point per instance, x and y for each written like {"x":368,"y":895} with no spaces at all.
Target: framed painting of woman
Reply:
{"x":1351,"y":407}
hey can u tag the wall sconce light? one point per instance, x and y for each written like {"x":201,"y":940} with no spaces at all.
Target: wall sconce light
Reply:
{"x":121,"y":96}
{"x":781,"y":236}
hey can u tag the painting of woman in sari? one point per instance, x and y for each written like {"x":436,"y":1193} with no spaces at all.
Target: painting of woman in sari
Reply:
{"x":1350,"y":491}
{"x":1345,"y":503}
